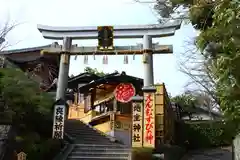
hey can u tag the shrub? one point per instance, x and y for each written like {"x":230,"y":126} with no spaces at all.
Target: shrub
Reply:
{"x":142,"y":153}
{"x":171,"y":152}
{"x":45,"y":149}
{"x":204,"y":134}
{"x":29,"y":111}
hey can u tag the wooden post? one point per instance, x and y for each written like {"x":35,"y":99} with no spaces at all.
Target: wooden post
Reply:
{"x":112,"y":122}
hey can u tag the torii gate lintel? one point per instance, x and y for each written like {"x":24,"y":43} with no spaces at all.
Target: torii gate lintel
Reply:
{"x":124,"y":31}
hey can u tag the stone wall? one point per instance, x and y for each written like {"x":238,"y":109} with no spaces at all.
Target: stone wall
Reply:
{"x":4,"y":129}
{"x":124,"y":136}
{"x":236,"y":147}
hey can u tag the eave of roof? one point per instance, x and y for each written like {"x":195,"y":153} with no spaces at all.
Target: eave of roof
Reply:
{"x":31,"y":49}
{"x":218,"y":114}
{"x":81,"y":79}
{"x":114,"y":77}
{"x":198,"y":110}
{"x":82,"y":75}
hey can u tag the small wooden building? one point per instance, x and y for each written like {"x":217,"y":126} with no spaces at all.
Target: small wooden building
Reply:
{"x":96,"y":104}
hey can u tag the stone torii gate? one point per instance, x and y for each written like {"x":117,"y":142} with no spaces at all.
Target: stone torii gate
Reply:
{"x":67,"y":34}
{"x":146,"y":32}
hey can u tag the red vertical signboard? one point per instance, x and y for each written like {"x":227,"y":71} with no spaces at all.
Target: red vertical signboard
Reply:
{"x":149,"y":120}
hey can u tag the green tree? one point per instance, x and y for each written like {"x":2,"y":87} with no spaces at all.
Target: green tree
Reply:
{"x":22,"y":95}
{"x":94,"y":71}
{"x":219,"y":42}
{"x":187,"y":101}
{"x":29,"y":111}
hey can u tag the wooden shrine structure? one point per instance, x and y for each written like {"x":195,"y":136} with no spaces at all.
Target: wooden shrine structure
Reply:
{"x":108,"y":105}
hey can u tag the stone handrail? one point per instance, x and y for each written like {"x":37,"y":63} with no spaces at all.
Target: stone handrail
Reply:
{"x":67,"y":149}
{"x":111,"y":138}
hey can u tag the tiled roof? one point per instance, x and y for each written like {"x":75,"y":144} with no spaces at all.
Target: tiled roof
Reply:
{"x":31,"y":49}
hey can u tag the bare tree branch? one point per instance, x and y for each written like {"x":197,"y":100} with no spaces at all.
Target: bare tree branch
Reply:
{"x":199,"y":70}
{"x":3,"y":33}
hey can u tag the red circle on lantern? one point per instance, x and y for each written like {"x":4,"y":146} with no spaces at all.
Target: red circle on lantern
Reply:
{"x":124,"y":92}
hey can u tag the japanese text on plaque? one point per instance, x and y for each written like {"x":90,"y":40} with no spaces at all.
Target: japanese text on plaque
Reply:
{"x":58,"y":126}
{"x":149,"y":121}
{"x":137,"y":125}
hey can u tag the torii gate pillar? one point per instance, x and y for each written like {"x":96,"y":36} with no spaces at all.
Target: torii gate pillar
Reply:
{"x":148,"y":61}
{"x":63,"y":69}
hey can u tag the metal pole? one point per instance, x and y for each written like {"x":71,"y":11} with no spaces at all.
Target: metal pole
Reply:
{"x":63,"y":69}
{"x":148,"y":65}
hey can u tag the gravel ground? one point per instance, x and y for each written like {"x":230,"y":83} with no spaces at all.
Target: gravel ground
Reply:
{"x":210,"y":154}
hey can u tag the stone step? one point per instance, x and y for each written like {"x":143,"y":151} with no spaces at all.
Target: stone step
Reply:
{"x":88,"y":142}
{"x":76,"y":125}
{"x":85,"y":144}
{"x":93,"y":139}
{"x":88,"y":137}
{"x":112,"y":146}
{"x":100,"y":154}
{"x":79,"y":128}
{"x":102,"y":149}
{"x":80,"y":139}
{"x":96,"y":158}
{"x":87,"y":134}
{"x":97,"y":145}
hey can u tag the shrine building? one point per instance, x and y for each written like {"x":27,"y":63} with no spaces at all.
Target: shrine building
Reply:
{"x":105,"y":103}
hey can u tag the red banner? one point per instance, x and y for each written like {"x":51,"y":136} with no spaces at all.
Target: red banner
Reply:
{"x":149,"y":119}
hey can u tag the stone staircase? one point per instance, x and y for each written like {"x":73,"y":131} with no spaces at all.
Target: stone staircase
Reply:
{"x":91,"y":144}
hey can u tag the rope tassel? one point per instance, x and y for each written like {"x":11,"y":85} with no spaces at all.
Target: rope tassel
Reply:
{"x":125,"y":61}
{"x":85,"y":59}
{"x":145,"y":58}
{"x":105,"y":59}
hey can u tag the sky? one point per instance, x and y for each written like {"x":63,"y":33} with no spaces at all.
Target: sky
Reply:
{"x":97,"y":13}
